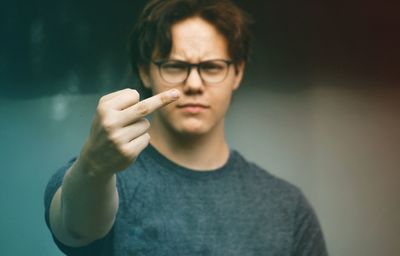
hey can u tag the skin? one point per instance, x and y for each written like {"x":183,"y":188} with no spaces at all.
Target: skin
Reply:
{"x":194,"y":140}
{"x":84,"y":207}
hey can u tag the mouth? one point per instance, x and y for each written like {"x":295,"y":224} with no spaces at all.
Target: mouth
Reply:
{"x":192,"y":107}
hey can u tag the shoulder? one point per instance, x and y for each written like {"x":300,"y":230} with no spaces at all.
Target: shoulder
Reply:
{"x":267,"y":184}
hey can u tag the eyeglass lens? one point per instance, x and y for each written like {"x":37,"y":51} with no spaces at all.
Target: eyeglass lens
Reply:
{"x":213,"y":71}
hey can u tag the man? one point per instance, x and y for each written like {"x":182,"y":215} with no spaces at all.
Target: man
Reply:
{"x":173,"y":186}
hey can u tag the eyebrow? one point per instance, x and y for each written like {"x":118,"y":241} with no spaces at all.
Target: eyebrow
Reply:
{"x":207,"y":60}
{"x":184,"y":58}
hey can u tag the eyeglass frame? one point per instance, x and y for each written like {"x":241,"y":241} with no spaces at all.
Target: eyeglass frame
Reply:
{"x":189,"y":67}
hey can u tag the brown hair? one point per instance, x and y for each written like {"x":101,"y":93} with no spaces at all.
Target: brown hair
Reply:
{"x":153,"y":28}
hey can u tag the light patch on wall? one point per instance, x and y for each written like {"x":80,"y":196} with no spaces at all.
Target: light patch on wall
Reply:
{"x":62,"y":102}
{"x":60,"y":107}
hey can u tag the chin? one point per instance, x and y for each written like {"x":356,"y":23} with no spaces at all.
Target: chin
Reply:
{"x":192,"y":127}
{"x":187,"y":126}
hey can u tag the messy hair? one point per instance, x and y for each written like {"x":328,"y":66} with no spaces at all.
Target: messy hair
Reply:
{"x":152,"y":32}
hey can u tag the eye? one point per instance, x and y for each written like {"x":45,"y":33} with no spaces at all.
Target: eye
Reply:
{"x":213,"y":67}
{"x":173,"y":67}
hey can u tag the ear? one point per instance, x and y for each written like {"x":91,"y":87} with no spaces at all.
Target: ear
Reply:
{"x":144,"y":76}
{"x":239,"y":70}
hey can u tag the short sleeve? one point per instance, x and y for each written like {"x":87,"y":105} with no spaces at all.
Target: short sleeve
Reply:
{"x":98,"y":247}
{"x":308,"y":235}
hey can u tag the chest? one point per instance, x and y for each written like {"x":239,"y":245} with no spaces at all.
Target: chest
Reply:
{"x":201,"y":220}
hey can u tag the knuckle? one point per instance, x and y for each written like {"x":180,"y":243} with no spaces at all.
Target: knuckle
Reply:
{"x":104,"y":118}
{"x":146,"y":123}
{"x":127,"y":152}
{"x":131,"y":93}
{"x":134,"y":93}
{"x":102,"y":99}
{"x":102,"y":109}
{"x":146,"y":138}
{"x":164,"y":98}
{"x":142,"y":109}
{"x":108,"y":124}
{"x":115,"y":138}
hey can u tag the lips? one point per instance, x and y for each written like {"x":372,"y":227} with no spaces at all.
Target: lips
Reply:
{"x":193,"y":107}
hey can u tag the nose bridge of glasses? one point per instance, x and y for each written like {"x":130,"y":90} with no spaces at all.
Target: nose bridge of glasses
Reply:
{"x":195,"y":66}
{"x":189,"y":78}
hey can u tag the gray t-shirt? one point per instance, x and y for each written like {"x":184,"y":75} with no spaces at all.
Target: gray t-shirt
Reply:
{"x":238,"y":209}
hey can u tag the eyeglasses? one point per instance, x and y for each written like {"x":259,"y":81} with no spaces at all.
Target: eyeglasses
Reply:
{"x":210,"y":71}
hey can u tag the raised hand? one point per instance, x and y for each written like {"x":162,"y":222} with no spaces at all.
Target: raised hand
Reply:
{"x":119,"y":129}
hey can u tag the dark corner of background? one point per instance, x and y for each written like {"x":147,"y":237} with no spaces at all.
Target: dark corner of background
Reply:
{"x":80,"y":47}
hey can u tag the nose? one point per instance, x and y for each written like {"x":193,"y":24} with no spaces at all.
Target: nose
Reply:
{"x":194,"y":83}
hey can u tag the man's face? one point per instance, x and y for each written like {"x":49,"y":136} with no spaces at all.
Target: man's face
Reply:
{"x":202,"y":106}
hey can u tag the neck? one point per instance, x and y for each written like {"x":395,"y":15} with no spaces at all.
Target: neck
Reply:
{"x":198,"y":152}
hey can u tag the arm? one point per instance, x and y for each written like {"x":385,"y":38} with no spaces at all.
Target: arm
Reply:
{"x":308,"y":237}
{"x":84,"y":207}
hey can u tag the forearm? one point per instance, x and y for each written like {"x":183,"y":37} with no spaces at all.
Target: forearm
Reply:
{"x":84,"y":207}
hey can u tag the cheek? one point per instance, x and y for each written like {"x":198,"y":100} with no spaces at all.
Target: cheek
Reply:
{"x":156,"y":84}
{"x":222,"y":101}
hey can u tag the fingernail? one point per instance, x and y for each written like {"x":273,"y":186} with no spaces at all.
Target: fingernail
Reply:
{"x":173,"y":94}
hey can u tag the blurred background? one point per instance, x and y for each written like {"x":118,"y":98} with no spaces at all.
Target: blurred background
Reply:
{"x":319,"y":107}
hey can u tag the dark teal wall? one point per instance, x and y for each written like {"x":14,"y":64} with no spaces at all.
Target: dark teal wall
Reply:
{"x":58,"y":57}
{"x":48,"y":45}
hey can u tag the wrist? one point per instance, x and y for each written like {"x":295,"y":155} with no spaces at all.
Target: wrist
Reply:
{"x":88,"y":166}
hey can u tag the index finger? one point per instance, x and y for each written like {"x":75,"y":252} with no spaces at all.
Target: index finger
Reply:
{"x":149,"y":105}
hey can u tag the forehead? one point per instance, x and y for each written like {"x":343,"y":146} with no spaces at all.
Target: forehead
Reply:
{"x":195,"y":39}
